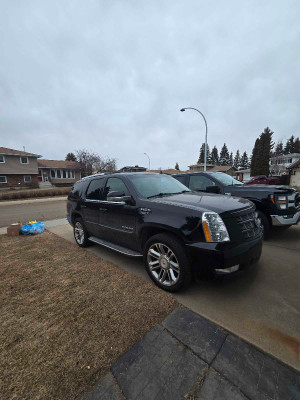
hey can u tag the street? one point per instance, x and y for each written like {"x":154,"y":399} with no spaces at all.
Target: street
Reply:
{"x":33,"y":209}
{"x":261,"y":305}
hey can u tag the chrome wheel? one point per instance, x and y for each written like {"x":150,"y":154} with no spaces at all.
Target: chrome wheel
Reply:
{"x":79,"y":233}
{"x":163,"y":264}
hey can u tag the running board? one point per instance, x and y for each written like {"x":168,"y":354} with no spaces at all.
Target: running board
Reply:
{"x":120,"y":249}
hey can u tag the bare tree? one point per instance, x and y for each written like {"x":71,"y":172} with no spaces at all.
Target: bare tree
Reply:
{"x":93,"y":162}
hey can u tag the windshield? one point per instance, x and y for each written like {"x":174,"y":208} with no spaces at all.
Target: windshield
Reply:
{"x":156,"y":185}
{"x":225,"y":179}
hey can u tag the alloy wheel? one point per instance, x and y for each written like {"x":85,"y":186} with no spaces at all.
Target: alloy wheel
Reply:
{"x":79,"y":233}
{"x":163,"y":264}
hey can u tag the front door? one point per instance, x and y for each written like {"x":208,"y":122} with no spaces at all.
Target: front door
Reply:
{"x":199,"y":183}
{"x":119,"y":220}
{"x":92,"y":208}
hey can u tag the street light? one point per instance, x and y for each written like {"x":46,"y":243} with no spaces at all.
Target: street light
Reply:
{"x":148,"y":159}
{"x":205,"y":152}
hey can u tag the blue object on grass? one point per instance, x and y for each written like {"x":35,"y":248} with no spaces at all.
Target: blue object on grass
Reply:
{"x":33,"y":229}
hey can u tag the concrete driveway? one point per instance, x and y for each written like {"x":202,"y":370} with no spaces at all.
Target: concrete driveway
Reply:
{"x":261,"y":306}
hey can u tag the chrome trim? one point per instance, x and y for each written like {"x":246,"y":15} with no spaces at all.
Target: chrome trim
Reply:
{"x":278,"y":220}
{"x":119,"y":249}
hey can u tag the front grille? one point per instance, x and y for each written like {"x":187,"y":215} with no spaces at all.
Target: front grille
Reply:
{"x":294,"y":200}
{"x":248,"y":225}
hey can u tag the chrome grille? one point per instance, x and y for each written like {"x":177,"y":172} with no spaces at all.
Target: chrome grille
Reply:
{"x":248,"y":226}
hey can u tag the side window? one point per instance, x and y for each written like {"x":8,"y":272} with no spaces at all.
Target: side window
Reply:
{"x":79,"y":189}
{"x":181,"y":179}
{"x":95,"y":189}
{"x":116,"y":185}
{"x":200,"y":182}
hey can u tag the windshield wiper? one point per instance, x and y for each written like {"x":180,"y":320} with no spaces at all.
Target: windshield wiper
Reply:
{"x":166,"y":194}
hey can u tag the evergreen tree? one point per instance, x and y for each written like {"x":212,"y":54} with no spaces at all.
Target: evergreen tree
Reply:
{"x":297,"y":145}
{"x":244,"y":162}
{"x":214,"y":157}
{"x":202,"y":152}
{"x":231,"y":159}
{"x":177,"y":166}
{"x":224,"y":156}
{"x":290,"y":145}
{"x":237,"y":159}
{"x":261,"y":153}
{"x":278,"y":149}
{"x":70,"y":157}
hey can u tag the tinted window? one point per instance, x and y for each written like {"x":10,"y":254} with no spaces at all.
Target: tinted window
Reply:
{"x":149,"y":185}
{"x":116,"y":185}
{"x":95,"y":189}
{"x":180,"y":178}
{"x":79,"y":188}
{"x":198,"y":182}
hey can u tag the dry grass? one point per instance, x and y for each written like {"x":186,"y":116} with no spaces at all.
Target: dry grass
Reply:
{"x":66,"y":316}
{"x":34,"y":193}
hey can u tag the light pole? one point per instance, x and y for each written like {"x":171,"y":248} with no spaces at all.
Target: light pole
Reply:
{"x":205,"y":149}
{"x":148,"y":159}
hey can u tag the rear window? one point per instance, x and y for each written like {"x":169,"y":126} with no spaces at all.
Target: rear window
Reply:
{"x":79,"y":188}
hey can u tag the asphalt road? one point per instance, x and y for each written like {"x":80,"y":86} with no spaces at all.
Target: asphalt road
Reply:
{"x":261,"y":305}
{"x":26,"y":210}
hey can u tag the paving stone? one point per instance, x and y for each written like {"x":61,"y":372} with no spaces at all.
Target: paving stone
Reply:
{"x":215,"y":387}
{"x":157,"y":367}
{"x":107,"y":389}
{"x":202,"y":336}
{"x":257,"y":375}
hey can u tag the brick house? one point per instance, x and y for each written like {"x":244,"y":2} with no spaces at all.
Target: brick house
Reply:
{"x":18,"y":169}
{"x":58,"y":173}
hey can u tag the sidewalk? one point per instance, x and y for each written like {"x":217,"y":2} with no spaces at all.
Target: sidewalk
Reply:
{"x":189,"y":357}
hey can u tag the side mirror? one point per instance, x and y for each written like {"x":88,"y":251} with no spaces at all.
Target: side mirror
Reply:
{"x":213,"y":189}
{"x":118,"y":197}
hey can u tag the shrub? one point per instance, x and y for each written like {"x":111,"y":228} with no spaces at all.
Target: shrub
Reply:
{"x":34,"y":193}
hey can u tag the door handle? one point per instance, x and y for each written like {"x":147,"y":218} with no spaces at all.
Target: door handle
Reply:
{"x":102,"y":209}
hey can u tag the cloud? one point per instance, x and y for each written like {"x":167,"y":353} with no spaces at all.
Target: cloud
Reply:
{"x":112,"y":76}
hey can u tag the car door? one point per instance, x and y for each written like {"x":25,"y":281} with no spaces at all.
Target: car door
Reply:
{"x":92,"y":206}
{"x":119,"y":220}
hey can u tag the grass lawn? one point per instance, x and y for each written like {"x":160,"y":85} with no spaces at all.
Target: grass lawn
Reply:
{"x":66,"y":316}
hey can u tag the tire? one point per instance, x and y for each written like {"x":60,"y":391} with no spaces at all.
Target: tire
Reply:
{"x":171,"y":270}
{"x":265,"y":222}
{"x":81,"y":235}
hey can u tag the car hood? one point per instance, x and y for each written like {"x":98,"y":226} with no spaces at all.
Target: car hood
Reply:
{"x":204,"y":202}
{"x":257,"y":188}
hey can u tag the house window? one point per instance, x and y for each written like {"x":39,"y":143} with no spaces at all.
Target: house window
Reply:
{"x":24,"y":160}
{"x":52,"y":173}
{"x":64,"y":174}
{"x":2,"y":159}
{"x":58,"y":173}
{"x":71,"y":174}
{"x":3,"y":179}
{"x":27,"y":178}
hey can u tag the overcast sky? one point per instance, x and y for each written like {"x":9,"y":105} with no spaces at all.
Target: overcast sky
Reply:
{"x":111,"y":76}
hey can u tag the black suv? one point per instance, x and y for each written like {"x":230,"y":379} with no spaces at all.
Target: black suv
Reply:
{"x":178,"y":232}
{"x":277,"y":206}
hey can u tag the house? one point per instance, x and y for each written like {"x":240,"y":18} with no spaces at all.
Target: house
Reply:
{"x":168,"y":171}
{"x":200,"y":167}
{"x":136,"y":168}
{"x":294,"y":170}
{"x":18,"y":169}
{"x":280,"y":164}
{"x":243,"y":174}
{"x":58,"y":173}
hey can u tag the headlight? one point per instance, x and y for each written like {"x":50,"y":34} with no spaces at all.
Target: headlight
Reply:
{"x":279,"y":201}
{"x":214,"y":228}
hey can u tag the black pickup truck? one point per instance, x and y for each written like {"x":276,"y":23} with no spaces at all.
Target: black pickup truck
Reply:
{"x":179,"y":233}
{"x":278,"y":206}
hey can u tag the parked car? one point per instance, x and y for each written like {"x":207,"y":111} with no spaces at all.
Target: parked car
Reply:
{"x":262,"y":180}
{"x":179,"y":233}
{"x":278,"y":206}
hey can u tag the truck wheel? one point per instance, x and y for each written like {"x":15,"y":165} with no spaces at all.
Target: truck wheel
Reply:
{"x":80,"y":233}
{"x":167,"y":263}
{"x":265,"y":222}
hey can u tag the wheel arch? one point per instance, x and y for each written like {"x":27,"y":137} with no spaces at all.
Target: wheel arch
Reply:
{"x":150,"y":230}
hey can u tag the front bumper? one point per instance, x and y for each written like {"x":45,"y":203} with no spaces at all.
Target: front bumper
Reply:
{"x":279,"y":220}
{"x":222,"y":258}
